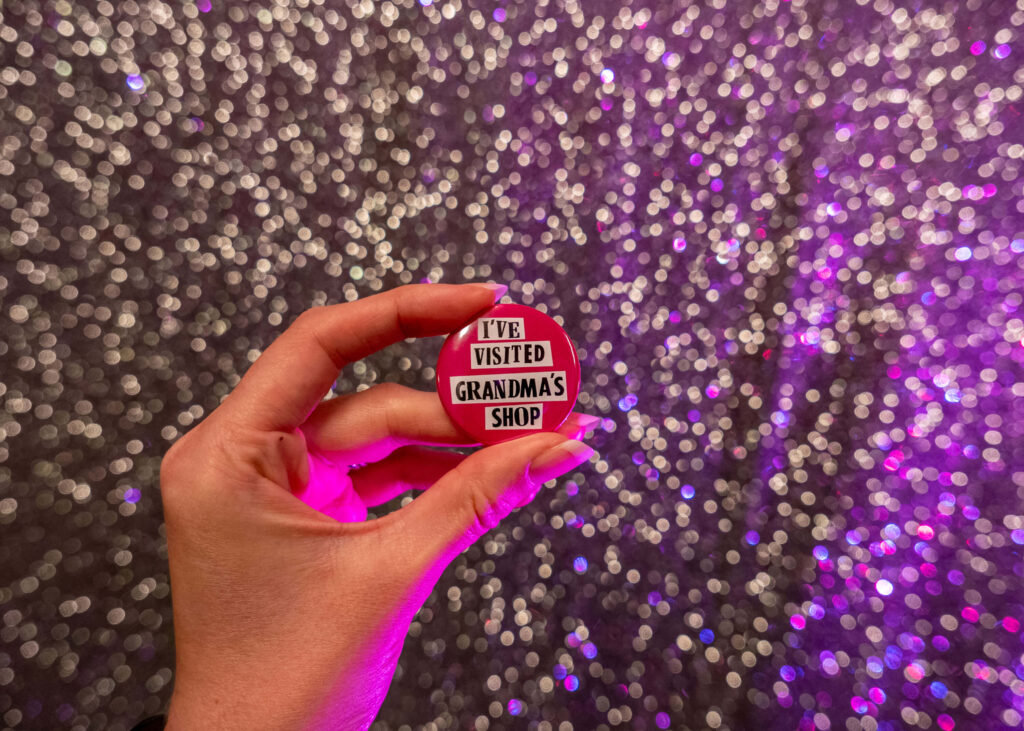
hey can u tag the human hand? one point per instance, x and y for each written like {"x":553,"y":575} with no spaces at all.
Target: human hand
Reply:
{"x":290,"y":609}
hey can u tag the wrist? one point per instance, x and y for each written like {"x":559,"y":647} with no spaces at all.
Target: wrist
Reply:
{"x":228,"y":708}
{"x":238,"y":702}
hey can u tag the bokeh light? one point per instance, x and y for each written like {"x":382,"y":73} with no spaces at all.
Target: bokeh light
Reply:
{"x":786,"y":238}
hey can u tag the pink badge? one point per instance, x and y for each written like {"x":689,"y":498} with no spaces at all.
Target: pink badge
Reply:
{"x":513,"y":371}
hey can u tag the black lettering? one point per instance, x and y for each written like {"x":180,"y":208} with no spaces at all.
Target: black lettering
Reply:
{"x":513,"y":330}
{"x":474,"y":391}
{"x":559,"y":385}
{"x":499,"y":388}
{"x":495,"y":418}
{"x":545,"y":388}
{"x":460,"y":391}
{"x":486,"y":325}
{"x":534,"y":414}
{"x":528,"y":388}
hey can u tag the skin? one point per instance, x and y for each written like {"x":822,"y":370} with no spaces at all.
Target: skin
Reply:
{"x":290,"y":608}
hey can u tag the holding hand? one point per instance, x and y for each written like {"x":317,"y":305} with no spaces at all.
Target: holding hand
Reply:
{"x":290,"y":609}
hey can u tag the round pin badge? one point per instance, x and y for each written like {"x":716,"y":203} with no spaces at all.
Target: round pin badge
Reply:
{"x":513,"y":371}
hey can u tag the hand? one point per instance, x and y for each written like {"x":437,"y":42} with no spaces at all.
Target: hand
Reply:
{"x":290,"y":609}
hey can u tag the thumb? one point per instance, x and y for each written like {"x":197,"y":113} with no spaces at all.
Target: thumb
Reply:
{"x":485,"y":487}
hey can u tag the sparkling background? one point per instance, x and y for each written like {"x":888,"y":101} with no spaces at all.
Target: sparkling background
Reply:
{"x":787,"y":237}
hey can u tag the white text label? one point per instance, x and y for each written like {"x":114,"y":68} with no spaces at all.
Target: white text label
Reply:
{"x":509,"y":388}
{"x":511,"y":355}
{"x":500,"y":328}
{"x":521,"y":416}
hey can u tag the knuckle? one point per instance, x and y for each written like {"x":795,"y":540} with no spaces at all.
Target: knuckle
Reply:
{"x":310,"y":325}
{"x":484,"y":517}
{"x":395,"y":302}
{"x":178,"y":470}
{"x":195,"y":450}
{"x":390,"y":391}
{"x":308,"y":318}
{"x":391,"y":396}
{"x":487,"y":511}
{"x":175,"y":459}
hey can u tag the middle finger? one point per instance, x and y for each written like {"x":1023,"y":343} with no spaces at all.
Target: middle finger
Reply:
{"x":369,"y":425}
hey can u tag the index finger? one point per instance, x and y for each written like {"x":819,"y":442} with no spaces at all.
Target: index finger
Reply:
{"x":288,"y":380}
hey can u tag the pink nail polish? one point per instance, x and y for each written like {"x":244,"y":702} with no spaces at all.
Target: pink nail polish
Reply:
{"x":511,"y":372}
{"x":498,"y":290}
{"x":559,"y":460}
{"x":587,"y":421}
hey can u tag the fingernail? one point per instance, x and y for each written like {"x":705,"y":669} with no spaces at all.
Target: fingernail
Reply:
{"x":577,"y":425}
{"x":558,"y":460}
{"x":587,"y":421}
{"x":498,"y":290}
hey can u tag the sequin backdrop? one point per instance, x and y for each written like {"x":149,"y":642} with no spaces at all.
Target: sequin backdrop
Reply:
{"x":787,"y":237}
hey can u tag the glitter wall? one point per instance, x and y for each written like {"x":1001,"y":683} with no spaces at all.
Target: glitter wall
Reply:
{"x":787,"y":237}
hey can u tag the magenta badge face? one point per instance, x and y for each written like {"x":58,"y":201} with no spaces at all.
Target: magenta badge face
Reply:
{"x":512,"y":371}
